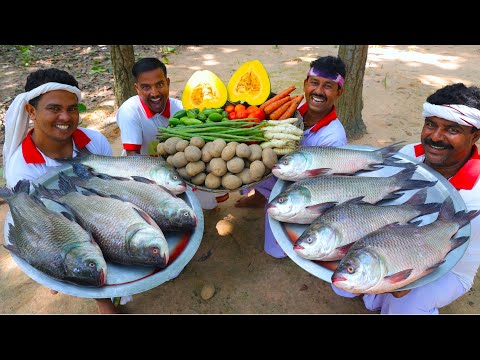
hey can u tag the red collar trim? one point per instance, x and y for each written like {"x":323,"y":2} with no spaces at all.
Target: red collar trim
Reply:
{"x":150,"y":113}
{"x":327,"y":119}
{"x":467,"y":176}
{"x":32,"y":155}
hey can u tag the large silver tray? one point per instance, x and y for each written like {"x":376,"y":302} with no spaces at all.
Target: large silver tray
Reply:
{"x":122,"y":280}
{"x":286,"y":234}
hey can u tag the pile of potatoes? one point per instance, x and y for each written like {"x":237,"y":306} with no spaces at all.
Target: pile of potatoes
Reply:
{"x":216,"y":164}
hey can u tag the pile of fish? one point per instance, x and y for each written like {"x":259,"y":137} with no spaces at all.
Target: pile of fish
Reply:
{"x":112,"y":209}
{"x":380,"y":247}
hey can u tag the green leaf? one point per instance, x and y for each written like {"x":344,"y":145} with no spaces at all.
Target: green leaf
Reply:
{"x":81,"y":107}
{"x":165,"y":60}
{"x":98,"y":69}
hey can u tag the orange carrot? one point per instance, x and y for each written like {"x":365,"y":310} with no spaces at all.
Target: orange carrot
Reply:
{"x":280,"y":95}
{"x":291,"y":110}
{"x":277,"y":113}
{"x":276,"y":104}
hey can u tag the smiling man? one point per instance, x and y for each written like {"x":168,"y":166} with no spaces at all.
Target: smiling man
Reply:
{"x":448,"y":145}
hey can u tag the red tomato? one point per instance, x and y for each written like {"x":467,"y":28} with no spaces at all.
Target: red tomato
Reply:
{"x":252,"y":108}
{"x":232,"y":115}
{"x":239,"y":107}
{"x":259,"y":114}
{"x":229,"y":108}
{"x":241,"y":114}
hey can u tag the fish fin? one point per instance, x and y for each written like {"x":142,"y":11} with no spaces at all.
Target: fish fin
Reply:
{"x":388,"y":197}
{"x":319,"y":209}
{"x":400,"y":164}
{"x":390,"y":150}
{"x":22,"y":186}
{"x":51,"y":194}
{"x":143,"y":179}
{"x":88,"y":191}
{"x":344,"y":249}
{"x":433,"y":267}
{"x":67,"y":185}
{"x":416,"y":222}
{"x":110,"y":177}
{"x":357,"y":200}
{"x":11,"y":236}
{"x":404,"y":180}
{"x":64,"y":181}
{"x":447,"y":213}
{"x":456,"y":242}
{"x":68,"y":216}
{"x":318,"y":172}
{"x":145,"y":216}
{"x":399,"y":276}
{"x":12,"y":249}
{"x":82,"y":171}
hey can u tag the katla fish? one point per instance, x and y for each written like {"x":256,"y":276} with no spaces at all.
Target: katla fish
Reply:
{"x":330,"y":236}
{"x":53,"y":243}
{"x":141,"y":168}
{"x":311,"y":161}
{"x":125,"y":233}
{"x":303,"y":201}
{"x":397,"y":255}
{"x":169,"y":211}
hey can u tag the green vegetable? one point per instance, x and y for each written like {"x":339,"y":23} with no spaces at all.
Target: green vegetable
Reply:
{"x":180,"y":113}
{"x":191,"y":114}
{"x":215,"y":116}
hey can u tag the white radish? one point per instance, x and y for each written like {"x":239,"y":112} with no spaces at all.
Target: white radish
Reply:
{"x":282,"y":136}
{"x":281,"y":122}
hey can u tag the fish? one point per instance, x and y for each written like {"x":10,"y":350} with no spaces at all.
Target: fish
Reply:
{"x":330,"y":236}
{"x":311,"y":161}
{"x":53,"y":243}
{"x":125,"y":233}
{"x":303,"y":201}
{"x":169,"y":211}
{"x":397,"y":255}
{"x":141,"y":168}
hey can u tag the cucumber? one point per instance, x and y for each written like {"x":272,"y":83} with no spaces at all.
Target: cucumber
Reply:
{"x":180,"y":113}
{"x":215,"y":116}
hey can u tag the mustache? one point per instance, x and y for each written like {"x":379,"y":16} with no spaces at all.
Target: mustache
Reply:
{"x":430,"y":142}
{"x":320,"y":96}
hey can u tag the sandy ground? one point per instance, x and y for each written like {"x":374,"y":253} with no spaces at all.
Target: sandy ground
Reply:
{"x":247,"y":280}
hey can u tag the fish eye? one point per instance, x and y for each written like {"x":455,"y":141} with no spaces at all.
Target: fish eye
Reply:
{"x":285,"y":162}
{"x":155,"y":250}
{"x":175,"y":177}
{"x":91,"y":264}
{"x":185,"y":213}
{"x":350,"y":269}
{"x":280,"y":200}
{"x":309,"y":240}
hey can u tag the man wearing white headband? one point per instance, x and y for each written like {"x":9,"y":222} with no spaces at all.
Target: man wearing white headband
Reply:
{"x":322,"y":86}
{"x":449,"y":134}
{"x":50,"y":101}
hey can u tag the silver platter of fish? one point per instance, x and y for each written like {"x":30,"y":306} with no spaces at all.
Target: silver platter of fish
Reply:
{"x":286,"y":234}
{"x":122,"y":280}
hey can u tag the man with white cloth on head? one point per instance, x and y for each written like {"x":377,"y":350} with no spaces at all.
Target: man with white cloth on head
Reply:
{"x":449,"y":134}
{"x":50,"y":101}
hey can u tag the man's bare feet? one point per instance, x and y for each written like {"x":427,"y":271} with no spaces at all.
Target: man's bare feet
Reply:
{"x":257,"y":200}
{"x":105,"y":306}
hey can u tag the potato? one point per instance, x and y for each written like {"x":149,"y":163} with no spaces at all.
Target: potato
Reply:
{"x":179,"y":160}
{"x":217,"y":147}
{"x":170,"y":145}
{"x":197,"y":141}
{"x":218,"y":166}
{"x":212,"y":181}
{"x":256,"y":152}
{"x":194,"y":168}
{"x":229,"y":151}
{"x":199,"y":179}
{"x":169,"y":159}
{"x":243,"y":151}
{"x":208,"y":169}
{"x":257,"y":170}
{"x":183,"y":173}
{"x":235,"y":165}
{"x":231,"y":182}
{"x":244,"y":175}
{"x":206,"y":156}
{"x":181,"y":145}
{"x":269,"y":157}
{"x":161,"y":149}
{"x":193,"y":153}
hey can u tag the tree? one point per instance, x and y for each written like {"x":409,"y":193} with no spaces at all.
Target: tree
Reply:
{"x":350,"y":104}
{"x":123,"y":58}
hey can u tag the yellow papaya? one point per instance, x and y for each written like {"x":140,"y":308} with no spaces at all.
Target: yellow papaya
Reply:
{"x":250,"y":83}
{"x":203,"y":90}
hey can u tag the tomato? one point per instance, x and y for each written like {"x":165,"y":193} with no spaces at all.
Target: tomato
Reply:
{"x":241,"y":114}
{"x":259,"y":114}
{"x":239,"y":107}
{"x":232,"y":115}
{"x":229,"y":108}
{"x":252,"y":108}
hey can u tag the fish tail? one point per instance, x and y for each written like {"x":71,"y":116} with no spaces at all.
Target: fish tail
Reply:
{"x":456,"y":242}
{"x":82,"y":171}
{"x":391,"y":149}
{"x":6,"y":193}
{"x":67,"y":184}
{"x":82,"y":153}
{"x":64,"y":180}
{"x":462,"y":218}
{"x":404,"y":178}
{"x":52,"y":194}
{"x":400,"y":164}
{"x":12,"y":246}
{"x":418,"y":202}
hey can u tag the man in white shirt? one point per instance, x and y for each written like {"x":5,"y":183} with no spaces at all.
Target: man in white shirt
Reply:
{"x":449,"y":134}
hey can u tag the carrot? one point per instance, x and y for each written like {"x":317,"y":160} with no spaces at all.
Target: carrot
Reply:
{"x":276,"y":104}
{"x":280,"y":95}
{"x":277,"y":113}
{"x":291,"y":110}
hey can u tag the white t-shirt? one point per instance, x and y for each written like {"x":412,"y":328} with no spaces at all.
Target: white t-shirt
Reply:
{"x":28,"y":162}
{"x":466,"y":181}
{"x":139,"y":125}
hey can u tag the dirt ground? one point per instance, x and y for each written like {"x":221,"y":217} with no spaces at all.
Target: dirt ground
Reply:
{"x":397,"y":81}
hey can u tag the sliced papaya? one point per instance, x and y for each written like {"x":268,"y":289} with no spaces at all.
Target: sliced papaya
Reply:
{"x":203,"y":90}
{"x":250,"y":83}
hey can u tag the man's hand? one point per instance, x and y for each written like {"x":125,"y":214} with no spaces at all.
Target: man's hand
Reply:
{"x":399,"y":294}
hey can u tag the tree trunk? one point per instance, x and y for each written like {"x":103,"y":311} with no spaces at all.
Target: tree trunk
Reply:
{"x":123,"y":58}
{"x":350,"y":104}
